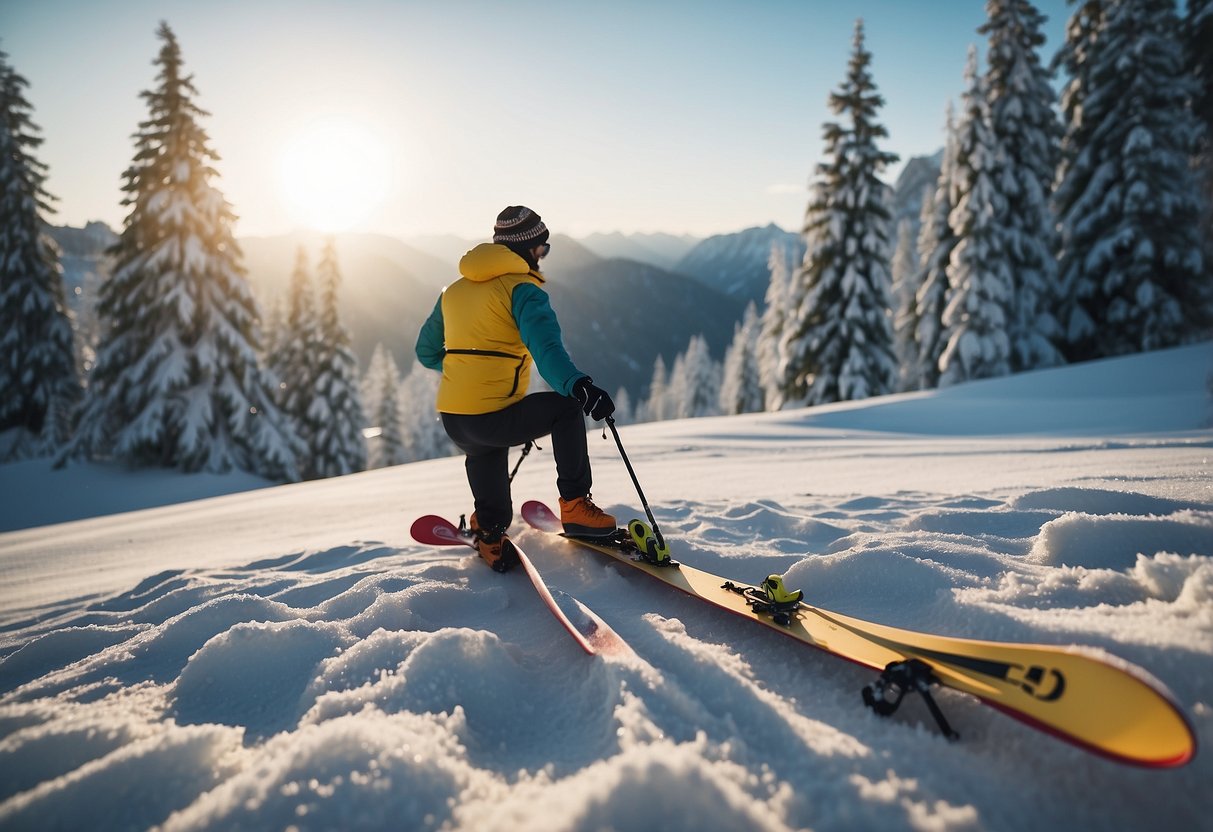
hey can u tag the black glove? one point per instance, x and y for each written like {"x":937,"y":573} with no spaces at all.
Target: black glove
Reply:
{"x":594,"y":401}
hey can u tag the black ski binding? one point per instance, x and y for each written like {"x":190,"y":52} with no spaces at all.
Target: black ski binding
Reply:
{"x":900,"y":678}
{"x":771,"y":599}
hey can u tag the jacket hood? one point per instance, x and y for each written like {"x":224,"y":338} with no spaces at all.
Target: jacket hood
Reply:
{"x":489,"y":260}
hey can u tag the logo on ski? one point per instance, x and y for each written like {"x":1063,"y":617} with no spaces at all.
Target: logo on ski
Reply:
{"x":446,"y":532}
{"x":1034,"y":678}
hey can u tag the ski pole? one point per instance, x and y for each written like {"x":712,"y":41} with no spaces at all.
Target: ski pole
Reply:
{"x":526,"y":449}
{"x":652,"y":521}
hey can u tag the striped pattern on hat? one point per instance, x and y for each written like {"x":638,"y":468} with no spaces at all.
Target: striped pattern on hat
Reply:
{"x":519,"y":224}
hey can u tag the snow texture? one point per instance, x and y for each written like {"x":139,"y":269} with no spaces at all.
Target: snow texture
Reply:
{"x":287,"y":658}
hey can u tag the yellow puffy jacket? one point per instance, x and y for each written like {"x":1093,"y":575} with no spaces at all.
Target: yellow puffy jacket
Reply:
{"x":486,"y":329}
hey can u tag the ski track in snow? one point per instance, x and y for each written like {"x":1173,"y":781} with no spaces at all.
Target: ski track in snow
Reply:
{"x":384,"y":684}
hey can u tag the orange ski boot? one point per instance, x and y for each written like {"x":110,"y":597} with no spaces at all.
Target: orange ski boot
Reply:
{"x":494,"y":547}
{"x":581,"y":518}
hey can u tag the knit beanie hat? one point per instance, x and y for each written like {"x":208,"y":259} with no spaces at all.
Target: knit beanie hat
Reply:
{"x":520,"y":229}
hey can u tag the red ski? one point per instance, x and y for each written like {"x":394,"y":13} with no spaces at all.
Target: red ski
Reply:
{"x":591,"y":633}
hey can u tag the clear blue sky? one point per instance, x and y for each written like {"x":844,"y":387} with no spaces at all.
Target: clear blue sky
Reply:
{"x":699,"y":117}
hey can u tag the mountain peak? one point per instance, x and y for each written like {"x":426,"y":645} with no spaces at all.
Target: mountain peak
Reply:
{"x":736,"y":264}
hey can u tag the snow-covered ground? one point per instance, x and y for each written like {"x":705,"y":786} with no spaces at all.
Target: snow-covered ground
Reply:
{"x":288,"y":657}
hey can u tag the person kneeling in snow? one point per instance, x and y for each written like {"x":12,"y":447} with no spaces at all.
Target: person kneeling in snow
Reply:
{"x":483,"y":334}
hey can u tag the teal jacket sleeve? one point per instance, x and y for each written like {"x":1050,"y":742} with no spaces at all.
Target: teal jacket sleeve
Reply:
{"x":431,"y":340}
{"x":540,"y":333}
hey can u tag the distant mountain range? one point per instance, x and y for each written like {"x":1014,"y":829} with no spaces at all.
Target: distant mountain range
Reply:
{"x":80,"y":253}
{"x":617,"y":315}
{"x":622,"y":299}
{"x":665,"y":251}
{"x":737,"y":265}
{"x":918,"y":178}
{"x":661,"y":250}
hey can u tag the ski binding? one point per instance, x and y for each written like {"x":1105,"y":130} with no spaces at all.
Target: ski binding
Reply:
{"x":772,"y":598}
{"x":637,"y":542}
{"x":650,"y":548}
{"x":899,"y":678}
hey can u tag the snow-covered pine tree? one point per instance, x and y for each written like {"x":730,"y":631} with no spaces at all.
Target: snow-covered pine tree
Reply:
{"x":86,"y":321}
{"x":273,"y":333}
{"x":177,"y":381}
{"x":935,"y":244}
{"x":771,"y":328}
{"x":905,"y":310}
{"x":381,"y":387}
{"x":295,"y":363}
{"x":623,"y":406}
{"x":694,"y":388}
{"x":703,"y":380}
{"x":423,"y":436}
{"x":334,"y":416}
{"x":654,"y":408}
{"x":275,"y":338}
{"x":676,"y":390}
{"x":371,"y":386}
{"x":1026,"y":132}
{"x":39,"y":380}
{"x":838,"y":340}
{"x":1198,"y":35}
{"x":979,"y":301}
{"x":1074,"y":61}
{"x":1129,"y":209}
{"x":740,"y":388}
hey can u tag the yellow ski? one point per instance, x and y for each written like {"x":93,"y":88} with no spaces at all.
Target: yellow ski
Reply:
{"x":1086,"y":697}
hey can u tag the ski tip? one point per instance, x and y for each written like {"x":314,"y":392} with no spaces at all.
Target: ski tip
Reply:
{"x":437,"y":531}
{"x":541,"y":517}
{"x":421,"y":528}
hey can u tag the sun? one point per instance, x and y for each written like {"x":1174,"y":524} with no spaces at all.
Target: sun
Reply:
{"x":334,"y":174}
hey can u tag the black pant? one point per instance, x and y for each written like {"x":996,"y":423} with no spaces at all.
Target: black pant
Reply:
{"x":486,"y":438}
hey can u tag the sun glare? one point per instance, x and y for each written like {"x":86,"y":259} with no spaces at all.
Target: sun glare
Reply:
{"x":334,"y":175}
